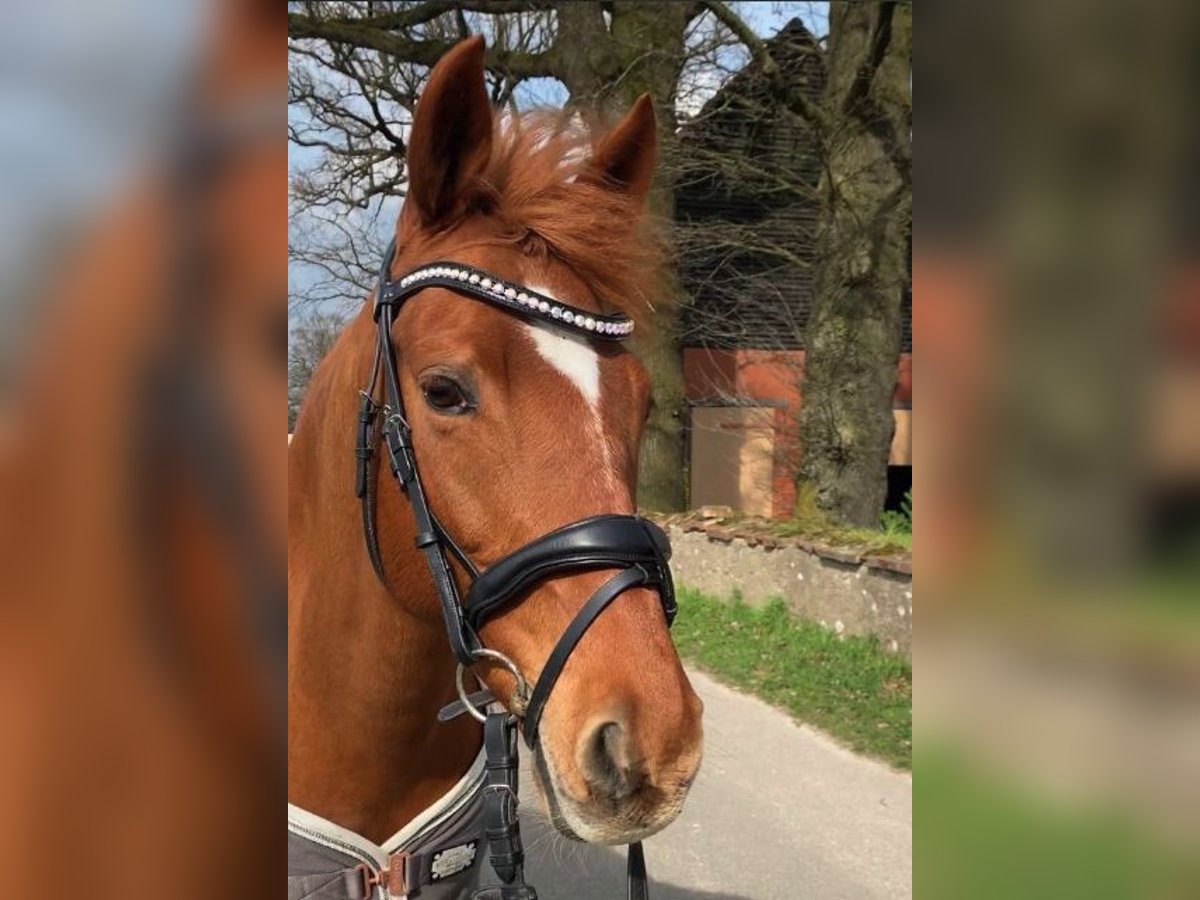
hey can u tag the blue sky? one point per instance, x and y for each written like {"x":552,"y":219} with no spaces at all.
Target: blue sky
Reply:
{"x":766,"y":18}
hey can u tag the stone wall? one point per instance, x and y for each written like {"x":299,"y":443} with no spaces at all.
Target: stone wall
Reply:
{"x":846,"y":592}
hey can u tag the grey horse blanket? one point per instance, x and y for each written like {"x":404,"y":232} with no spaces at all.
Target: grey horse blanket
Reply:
{"x":437,"y":856}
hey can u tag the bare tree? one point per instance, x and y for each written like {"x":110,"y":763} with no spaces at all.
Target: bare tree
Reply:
{"x":853,"y":334}
{"x":310,"y":339}
{"x":795,"y":212}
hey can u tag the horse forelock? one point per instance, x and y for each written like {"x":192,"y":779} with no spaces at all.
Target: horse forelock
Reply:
{"x":532,"y":196}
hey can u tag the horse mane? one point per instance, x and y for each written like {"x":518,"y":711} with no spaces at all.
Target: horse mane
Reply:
{"x":537,"y":190}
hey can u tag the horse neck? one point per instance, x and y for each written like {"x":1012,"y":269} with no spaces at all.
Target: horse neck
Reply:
{"x":366,"y":673}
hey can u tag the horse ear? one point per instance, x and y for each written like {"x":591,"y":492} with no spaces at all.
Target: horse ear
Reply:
{"x":451,"y":137}
{"x":625,"y":159}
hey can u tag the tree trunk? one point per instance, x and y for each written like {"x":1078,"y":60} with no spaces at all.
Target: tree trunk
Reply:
{"x":642,"y":52}
{"x":651,"y":41}
{"x":853,"y":335}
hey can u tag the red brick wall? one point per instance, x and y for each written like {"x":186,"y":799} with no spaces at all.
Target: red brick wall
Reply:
{"x":771,"y":377}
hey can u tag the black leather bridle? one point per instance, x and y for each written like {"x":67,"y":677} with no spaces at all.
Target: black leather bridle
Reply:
{"x":635,"y":546}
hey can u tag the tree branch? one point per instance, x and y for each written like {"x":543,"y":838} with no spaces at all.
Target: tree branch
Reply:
{"x":881,"y":38}
{"x":432,"y":9}
{"x":744,"y":33}
{"x":797,"y":101}
{"x":424,"y":51}
{"x":862,"y":104}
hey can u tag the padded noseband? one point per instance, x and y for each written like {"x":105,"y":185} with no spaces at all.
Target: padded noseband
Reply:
{"x":601,"y":542}
{"x":636,"y":546}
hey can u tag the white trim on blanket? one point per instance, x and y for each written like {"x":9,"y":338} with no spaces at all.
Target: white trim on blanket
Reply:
{"x":314,"y":827}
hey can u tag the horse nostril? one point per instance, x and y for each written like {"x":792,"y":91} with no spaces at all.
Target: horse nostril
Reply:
{"x":606,"y":763}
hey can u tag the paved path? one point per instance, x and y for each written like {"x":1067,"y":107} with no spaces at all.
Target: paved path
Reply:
{"x":778,"y":811}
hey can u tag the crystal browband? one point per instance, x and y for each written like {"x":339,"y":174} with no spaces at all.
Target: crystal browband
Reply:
{"x":507,"y":295}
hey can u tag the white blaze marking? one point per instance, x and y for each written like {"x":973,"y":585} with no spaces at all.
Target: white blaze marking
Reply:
{"x":575,"y":359}
{"x":571,"y":356}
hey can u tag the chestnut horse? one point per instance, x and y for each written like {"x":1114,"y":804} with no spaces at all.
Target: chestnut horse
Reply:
{"x":518,"y":429}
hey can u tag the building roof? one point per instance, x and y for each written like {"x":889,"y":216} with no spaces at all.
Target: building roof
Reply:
{"x":745,"y":206}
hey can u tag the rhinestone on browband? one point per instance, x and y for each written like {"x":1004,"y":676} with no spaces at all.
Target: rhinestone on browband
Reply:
{"x":516,"y":297}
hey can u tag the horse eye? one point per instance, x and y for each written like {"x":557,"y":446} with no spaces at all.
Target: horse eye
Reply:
{"x":446,"y":395}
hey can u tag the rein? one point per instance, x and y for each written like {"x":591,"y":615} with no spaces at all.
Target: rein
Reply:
{"x":632,"y":544}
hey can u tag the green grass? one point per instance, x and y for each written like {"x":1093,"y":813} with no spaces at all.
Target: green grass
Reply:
{"x":847,"y":686}
{"x":893,"y":537}
{"x":866,"y":541}
{"x":894,"y":534}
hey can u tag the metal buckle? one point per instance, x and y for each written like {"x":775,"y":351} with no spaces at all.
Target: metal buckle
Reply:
{"x":397,"y":874}
{"x":397,"y":438}
{"x":513,"y":799}
{"x":394,"y":416}
{"x":520,"y":698}
{"x":369,"y":879}
{"x":393,"y":879}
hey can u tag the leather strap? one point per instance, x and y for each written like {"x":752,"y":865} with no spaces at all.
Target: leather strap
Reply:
{"x":601,"y":542}
{"x":365,"y":486}
{"x":635,"y":873}
{"x":506,"y":852}
{"x":477,"y":700}
{"x":607,"y":593}
{"x":398,"y":439}
{"x":568,"y":319}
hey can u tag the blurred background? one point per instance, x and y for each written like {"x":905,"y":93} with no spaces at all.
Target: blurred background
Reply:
{"x":1056,"y":268}
{"x":1055,"y":286}
{"x":142,"y":480}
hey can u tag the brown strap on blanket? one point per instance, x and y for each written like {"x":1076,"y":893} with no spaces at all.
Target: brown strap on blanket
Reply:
{"x":393,"y":879}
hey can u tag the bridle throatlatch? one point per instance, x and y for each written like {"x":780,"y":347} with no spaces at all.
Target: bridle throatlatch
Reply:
{"x":633,"y":545}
